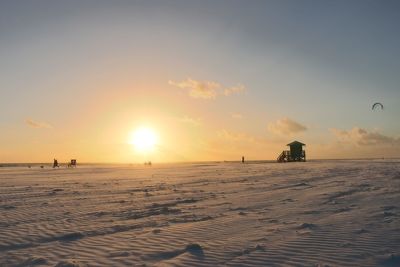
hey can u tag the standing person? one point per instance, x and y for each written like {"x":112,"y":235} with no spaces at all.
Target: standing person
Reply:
{"x":242,"y":159}
{"x":55,"y":163}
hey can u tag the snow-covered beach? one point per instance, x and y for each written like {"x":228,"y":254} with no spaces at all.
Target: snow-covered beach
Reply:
{"x":321,"y":213}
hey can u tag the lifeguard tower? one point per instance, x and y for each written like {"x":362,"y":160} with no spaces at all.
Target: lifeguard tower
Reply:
{"x":296,"y":153}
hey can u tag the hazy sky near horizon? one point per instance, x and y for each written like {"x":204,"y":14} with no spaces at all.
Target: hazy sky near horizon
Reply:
{"x":214,"y":79}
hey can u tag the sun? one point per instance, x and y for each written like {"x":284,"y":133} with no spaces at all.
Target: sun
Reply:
{"x":143,"y":139}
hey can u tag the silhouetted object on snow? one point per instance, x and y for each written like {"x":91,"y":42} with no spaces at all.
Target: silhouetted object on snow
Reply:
{"x":72,"y":164}
{"x":55,"y":164}
{"x":242,"y":159}
{"x":376,"y":106}
{"x":296,"y":153}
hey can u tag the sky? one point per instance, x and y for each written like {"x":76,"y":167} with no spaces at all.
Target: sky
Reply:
{"x":213,"y":80}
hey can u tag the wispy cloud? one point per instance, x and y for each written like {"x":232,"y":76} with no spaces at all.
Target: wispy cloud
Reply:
{"x":237,"y":116}
{"x":198,"y":89}
{"x":207,"y":89}
{"x":191,"y":121}
{"x":234,"y":90}
{"x":286,"y":126}
{"x":362,"y":137}
{"x":232,"y":136}
{"x":36,"y":124}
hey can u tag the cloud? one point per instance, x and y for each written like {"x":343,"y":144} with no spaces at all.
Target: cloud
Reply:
{"x":234,"y":90}
{"x":237,"y":116}
{"x":192,"y":121}
{"x":198,"y":89}
{"x":362,"y":137}
{"x":206,"y":89}
{"x":35,"y":124}
{"x":286,"y":126}
{"x":234,"y":137}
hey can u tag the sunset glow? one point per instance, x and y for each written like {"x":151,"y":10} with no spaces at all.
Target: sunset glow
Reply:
{"x":199,"y":133}
{"x":143,"y":139}
{"x":211,"y":81}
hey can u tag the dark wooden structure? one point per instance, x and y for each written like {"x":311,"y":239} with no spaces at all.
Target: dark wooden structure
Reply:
{"x":295,"y":153}
{"x":72,"y":164}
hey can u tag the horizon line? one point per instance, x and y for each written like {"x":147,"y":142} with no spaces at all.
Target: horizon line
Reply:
{"x":193,"y":162}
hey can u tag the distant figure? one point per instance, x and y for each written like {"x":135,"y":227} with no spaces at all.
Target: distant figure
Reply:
{"x":72,"y":164}
{"x":55,"y":164}
{"x":242,"y":159}
{"x":41,"y":166}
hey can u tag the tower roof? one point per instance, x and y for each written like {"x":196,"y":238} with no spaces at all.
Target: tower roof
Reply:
{"x":296,"y":143}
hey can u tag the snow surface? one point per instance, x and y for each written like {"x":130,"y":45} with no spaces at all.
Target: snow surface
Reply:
{"x":322,"y":213}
